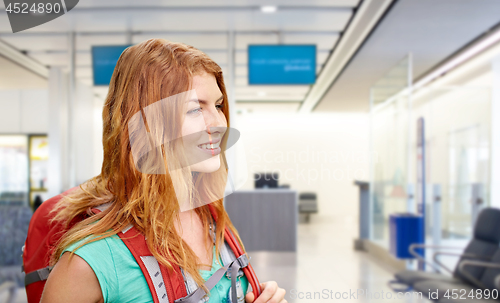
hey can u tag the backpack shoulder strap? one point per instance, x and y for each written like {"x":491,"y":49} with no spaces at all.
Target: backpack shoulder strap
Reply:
{"x":231,"y":264}
{"x":165,"y":284}
{"x":240,"y":255}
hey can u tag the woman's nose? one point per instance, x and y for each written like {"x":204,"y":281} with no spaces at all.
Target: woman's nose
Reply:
{"x":214,"y":118}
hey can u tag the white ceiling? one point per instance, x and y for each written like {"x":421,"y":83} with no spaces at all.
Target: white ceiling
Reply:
{"x":268,"y":107}
{"x":214,"y":3}
{"x":203,"y":24}
{"x":431,"y":30}
{"x":12,"y":76}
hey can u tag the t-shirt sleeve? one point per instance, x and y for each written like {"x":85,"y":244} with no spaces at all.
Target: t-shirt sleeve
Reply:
{"x":100,"y":258}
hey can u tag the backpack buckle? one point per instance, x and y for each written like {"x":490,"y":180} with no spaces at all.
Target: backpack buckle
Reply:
{"x":242,"y":262}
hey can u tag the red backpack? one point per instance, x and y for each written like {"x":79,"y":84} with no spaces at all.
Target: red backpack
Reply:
{"x":167,"y":287}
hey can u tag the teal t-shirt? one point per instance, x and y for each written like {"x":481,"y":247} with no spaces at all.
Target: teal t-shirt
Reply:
{"x":121,"y":278}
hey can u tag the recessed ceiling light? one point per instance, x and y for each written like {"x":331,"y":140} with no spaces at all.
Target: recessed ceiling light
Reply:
{"x":268,"y":9}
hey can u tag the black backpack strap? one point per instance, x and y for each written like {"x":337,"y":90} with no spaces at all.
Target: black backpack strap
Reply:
{"x":38,"y":275}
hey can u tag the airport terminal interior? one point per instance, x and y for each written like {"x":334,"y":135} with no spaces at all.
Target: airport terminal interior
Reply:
{"x":363,"y":160}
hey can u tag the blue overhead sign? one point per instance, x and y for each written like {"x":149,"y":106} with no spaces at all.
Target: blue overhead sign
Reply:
{"x":281,"y":64}
{"x":104,"y":60}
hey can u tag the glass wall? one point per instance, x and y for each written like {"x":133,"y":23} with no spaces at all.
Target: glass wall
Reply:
{"x":457,"y":154}
{"x":389,"y":148}
{"x":390,"y":165}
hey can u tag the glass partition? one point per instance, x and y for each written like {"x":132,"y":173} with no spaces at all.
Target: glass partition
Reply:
{"x":457,"y":154}
{"x":389,"y":147}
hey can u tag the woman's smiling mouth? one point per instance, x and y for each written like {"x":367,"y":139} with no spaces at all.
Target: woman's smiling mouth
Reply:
{"x":212,"y":148}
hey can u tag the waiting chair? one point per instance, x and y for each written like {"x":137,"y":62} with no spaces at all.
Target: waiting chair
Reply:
{"x":308,"y":204}
{"x":488,"y":282}
{"x":482,"y":247}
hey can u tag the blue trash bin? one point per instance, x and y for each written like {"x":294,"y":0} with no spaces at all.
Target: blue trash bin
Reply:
{"x":405,"y":229}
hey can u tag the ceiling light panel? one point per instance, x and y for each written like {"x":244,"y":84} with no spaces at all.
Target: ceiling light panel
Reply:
{"x":268,"y":9}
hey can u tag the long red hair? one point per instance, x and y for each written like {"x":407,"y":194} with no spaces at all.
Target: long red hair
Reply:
{"x":144,"y":74}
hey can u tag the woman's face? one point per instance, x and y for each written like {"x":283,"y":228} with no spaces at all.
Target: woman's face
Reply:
{"x":204,"y":125}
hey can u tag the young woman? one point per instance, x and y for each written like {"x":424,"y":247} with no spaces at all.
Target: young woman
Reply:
{"x":166,"y":101}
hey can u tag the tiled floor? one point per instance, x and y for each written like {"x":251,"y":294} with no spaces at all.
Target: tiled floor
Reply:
{"x":326,"y":264}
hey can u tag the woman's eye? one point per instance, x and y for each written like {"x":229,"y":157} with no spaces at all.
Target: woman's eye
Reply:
{"x":198,"y":109}
{"x":194,"y":111}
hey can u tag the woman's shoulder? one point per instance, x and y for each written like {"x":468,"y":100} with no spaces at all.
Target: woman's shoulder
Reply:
{"x":106,"y":257}
{"x":119,"y":274}
{"x":93,"y":258}
{"x":97,"y":252}
{"x":63,"y":285}
{"x":94,"y":241}
{"x":94,"y":245}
